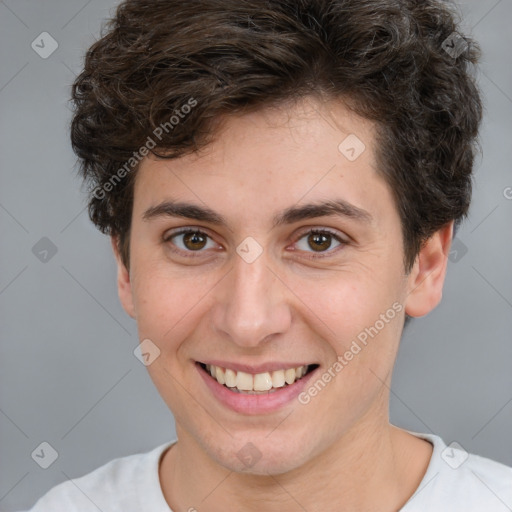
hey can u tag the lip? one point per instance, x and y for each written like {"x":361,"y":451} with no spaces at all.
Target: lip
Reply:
{"x":254,"y":404}
{"x":255,"y":368}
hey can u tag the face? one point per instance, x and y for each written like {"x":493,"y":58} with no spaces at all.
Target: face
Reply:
{"x":273,"y":249}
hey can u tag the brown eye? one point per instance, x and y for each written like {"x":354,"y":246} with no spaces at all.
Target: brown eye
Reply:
{"x":319,"y":241}
{"x":189,"y":241}
{"x":194,"y":240}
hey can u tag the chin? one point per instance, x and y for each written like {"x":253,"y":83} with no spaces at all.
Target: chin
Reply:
{"x":267,"y":454}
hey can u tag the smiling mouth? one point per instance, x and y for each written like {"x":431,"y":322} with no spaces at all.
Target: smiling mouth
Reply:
{"x":256,"y":384}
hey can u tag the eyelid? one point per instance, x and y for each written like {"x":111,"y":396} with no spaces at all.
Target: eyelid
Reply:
{"x":170,"y":233}
{"x":320,"y":229}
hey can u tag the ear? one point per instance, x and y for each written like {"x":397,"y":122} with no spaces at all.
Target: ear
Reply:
{"x":426,"y":279}
{"x":124,"y":286}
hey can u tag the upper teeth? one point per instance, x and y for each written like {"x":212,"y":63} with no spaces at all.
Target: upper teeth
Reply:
{"x":258,"y":382}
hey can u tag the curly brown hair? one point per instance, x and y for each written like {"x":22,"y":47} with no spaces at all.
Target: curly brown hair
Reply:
{"x":391,"y":61}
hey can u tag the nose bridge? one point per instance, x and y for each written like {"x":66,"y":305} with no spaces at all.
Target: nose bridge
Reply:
{"x":253,"y":305}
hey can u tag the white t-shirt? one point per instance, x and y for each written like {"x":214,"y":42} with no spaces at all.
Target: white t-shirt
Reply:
{"x":454,"y":481}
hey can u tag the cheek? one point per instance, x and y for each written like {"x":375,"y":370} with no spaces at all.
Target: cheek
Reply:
{"x":349,"y":304}
{"x":362,"y":332}
{"x":169,"y":308}
{"x":363,"y":318}
{"x":167,"y":304}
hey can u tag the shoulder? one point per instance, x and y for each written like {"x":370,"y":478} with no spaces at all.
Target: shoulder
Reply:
{"x":117,"y":485}
{"x":457,"y":480}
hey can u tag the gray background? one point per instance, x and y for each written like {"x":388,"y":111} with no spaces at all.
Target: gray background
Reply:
{"x":68,"y":373}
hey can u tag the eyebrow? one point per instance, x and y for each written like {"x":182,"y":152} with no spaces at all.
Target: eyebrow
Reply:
{"x":335,"y":207}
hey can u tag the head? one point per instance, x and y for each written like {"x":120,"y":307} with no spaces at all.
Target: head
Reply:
{"x":230,"y":118}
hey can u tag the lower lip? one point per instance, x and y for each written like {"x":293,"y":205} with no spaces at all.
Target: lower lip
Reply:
{"x":255,"y":404}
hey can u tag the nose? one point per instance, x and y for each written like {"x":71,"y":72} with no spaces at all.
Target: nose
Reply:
{"x":252,"y":303}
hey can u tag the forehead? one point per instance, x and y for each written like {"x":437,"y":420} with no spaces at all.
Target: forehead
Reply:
{"x":261,"y":162}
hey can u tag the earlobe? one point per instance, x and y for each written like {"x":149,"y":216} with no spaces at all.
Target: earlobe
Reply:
{"x":426,"y":279}
{"x":124,"y":286}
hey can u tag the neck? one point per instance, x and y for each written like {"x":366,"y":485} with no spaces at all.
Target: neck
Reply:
{"x":375,"y":467}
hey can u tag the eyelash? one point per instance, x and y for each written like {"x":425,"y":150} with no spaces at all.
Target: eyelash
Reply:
{"x":323,"y":231}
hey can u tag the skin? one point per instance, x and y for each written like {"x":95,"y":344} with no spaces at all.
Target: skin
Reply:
{"x":340,"y":447}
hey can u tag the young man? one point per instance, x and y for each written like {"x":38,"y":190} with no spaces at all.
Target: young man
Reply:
{"x":281,"y":180}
